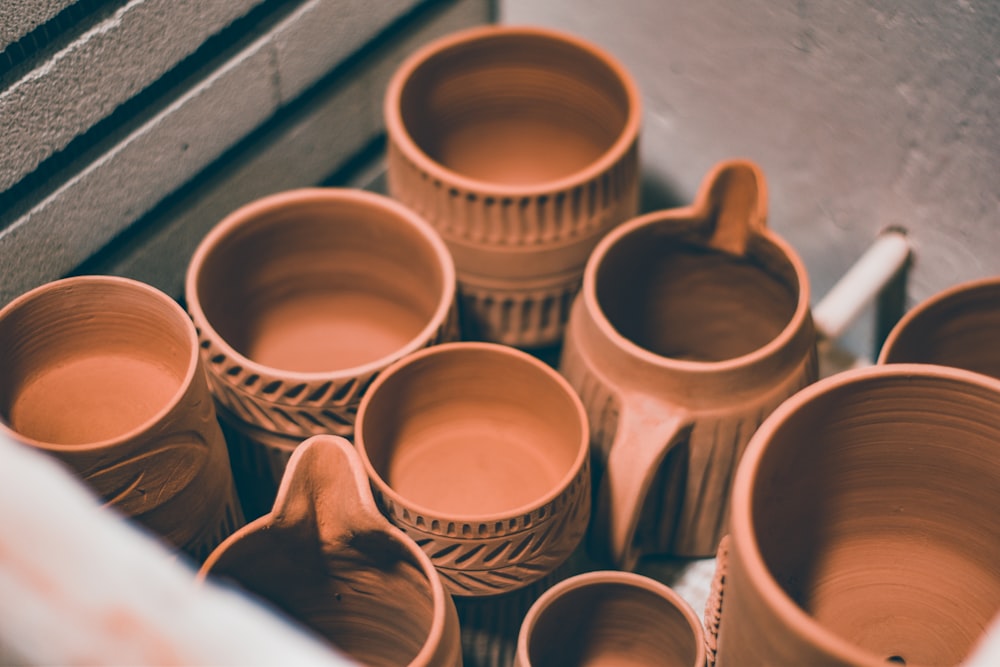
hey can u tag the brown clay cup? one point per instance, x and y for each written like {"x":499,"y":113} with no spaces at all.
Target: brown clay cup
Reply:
{"x":692,"y":325}
{"x":328,"y":559}
{"x":302,"y":297}
{"x":957,"y":327}
{"x":864,"y":525}
{"x":520,"y":145}
{"x":610,"y":618}
{"x":103,"y":373}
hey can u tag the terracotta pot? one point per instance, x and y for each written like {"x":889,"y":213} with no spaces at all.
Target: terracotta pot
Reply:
{"x":863,"y":526}
{"x":516,"y":143}
{"x":302,"y":297}
{"x":326,"y":557}
{"x":103,"y":373}
{"x":691,"y":326}
{"x":479,"y":452}
{"x":610,"y":618}
{"x":957,"y":327}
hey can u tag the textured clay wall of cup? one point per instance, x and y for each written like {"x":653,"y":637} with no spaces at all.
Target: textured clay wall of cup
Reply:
{"x":103,"y":373}
{"x":328,"y":559}
{"x":610,"y":618}
{"x":692,"y":325}
{"x":479,"y":452}
{"x":520,"y":145}
{"x":302,"y":297}
{"x":958,"y":327}
{"x":864,"y":525}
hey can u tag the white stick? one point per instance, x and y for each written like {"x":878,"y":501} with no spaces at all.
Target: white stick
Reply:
{"x":861,"y":284}
{"x":79,"y":585}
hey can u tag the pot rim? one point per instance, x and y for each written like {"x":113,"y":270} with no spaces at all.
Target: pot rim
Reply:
{"x":743,"y":542}
{"x":120,"y":282}
{"x":234,"y":220}
{"x":610,"y":577}
{"x":800,"y":319}
{"x":579,"y":462}
{"x":396,"y":127}
{"x":969,"y":288}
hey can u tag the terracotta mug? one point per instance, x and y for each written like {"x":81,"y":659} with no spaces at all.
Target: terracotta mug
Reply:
{"x":479,"y":452}
{"x":691,"y":326}
{"x":610,"y":618}
{"x":103,"y":373}
{"x":302,"y":297}
{"x":520,"y":145}
{"x":863,"y":526}
{"x":327,"y":558}
{"x":957,"y":327}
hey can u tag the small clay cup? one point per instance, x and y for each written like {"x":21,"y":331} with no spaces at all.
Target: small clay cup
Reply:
{"x":302,"y":297}
{"x":520,"y":145}
{"x":479,"y":452}
{"x":691,"y":326}
{"x":610,"y":618}
{"x":327,"y":558}
{"x":957,"y":327}
{"x":863,"y":525}
{"x":103,"y":373}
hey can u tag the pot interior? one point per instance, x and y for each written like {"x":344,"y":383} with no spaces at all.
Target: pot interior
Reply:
{"x":958,"y":330}
{"x":611,"y":623}
{"x":515,"y":108}
{"x":467,"y":432}
{"x":874,"y":509}
{"x":88,"y":362}
{"x":366,"y":595}
{"x":321,"y":285}
{"x":686,"y":301}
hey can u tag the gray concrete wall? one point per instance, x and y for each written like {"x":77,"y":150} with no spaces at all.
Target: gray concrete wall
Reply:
{"x":863,"y":114}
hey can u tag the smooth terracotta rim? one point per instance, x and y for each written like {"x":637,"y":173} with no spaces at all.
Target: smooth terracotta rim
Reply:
{"x":138,"y":287}
{"x":583,"y":448}
{"x":929,"y":305}
{"x":265,"y":205}
{"x":609,"y":577}
{"x":397,"y":128}
{"x":436,"y":632}
{"x":588,"y":293}
{"x":743,"y":544}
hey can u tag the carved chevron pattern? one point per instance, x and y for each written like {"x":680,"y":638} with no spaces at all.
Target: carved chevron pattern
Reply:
{"x":501,"y":556}
{"x":518,"y":317}
{"x":552,"y":217}
{"x":713,"y":606}
{"x":267,"y":401}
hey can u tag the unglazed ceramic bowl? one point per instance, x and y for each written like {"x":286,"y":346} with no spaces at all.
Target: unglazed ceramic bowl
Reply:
{"x":691,"y":326}
{"x":516,"y":143}
{"x":864,"y":525}
{"x":327,"y":558}
{"x":610,"y":618}
{"x":479,"y":452}
{"x":103,"y":373}
{"x":957,"y":327}
{"x":302,"y":297}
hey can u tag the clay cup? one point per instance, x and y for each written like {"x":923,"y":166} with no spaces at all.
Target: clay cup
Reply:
{"x":957,"y":327}
{"x":610,"y":618}
{"x":479,"y":452}
{"x":520,"y":145}
{"x":302,"y":297}
{"x":103,"y":373}
{"x":691,"y":326}
{"x":863,"y":526}
{"x":328,"y":559}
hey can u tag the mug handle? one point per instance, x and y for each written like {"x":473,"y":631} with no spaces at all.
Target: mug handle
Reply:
{"x":734,"y":197}
{"x":648,"y":430}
